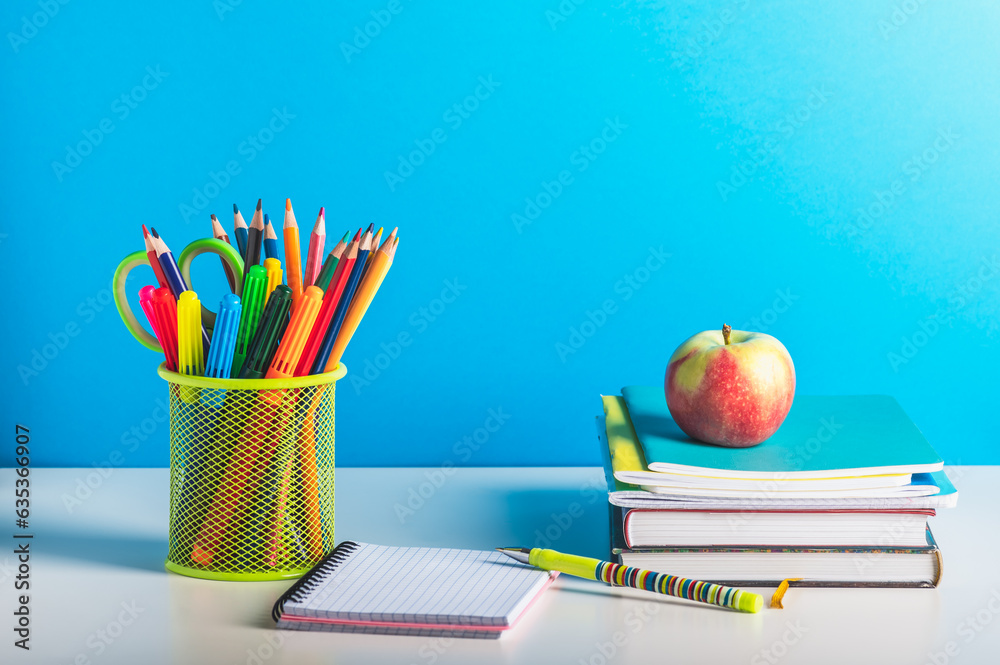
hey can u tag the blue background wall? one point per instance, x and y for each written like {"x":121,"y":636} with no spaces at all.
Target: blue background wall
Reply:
{"x":749,"y":140}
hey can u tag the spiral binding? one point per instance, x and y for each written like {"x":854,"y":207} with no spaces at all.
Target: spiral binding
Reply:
{"x":311,"y":580}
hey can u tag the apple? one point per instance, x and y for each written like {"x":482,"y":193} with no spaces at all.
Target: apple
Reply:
{"x":731,"y":388}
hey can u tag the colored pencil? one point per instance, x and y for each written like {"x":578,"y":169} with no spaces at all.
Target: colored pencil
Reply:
{"x":270,"y":240}
{"x":371,"y":255}
{"x":173,"y":274}
{"x":332,"y":259}
{"x":240,"y":229}
{"x":293,"y":255}
{"x":323,"y":355}
{"x":154,"y":262}
{"x":255,"y":237}
{"x":168,"y":265}
{"x":219,"y":233}
{"x":314,"y":258}
{"x":330,"y":299}
{"x":374,"y":275}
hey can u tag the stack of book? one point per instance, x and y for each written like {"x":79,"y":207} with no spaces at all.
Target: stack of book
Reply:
{"x":840,"y":495}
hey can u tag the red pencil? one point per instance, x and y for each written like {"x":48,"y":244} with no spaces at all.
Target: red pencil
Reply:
{"x":314,"y":256}
{"x":154,"y":262}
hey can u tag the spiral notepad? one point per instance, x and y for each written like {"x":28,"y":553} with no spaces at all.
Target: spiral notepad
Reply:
{"x":362,"y":588}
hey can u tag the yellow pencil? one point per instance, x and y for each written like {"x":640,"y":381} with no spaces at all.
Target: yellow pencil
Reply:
{"x":363,"y":298}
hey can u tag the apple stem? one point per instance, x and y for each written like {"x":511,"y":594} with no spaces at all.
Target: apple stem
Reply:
{"x":726,"y":329}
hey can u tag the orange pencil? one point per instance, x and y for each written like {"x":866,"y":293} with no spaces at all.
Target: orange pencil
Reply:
{"x":293,"y":255}
{"x":363,"y":297}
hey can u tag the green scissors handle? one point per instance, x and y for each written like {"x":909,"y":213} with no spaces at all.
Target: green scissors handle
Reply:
{"x":210,"y":246}
{"x":139,"y":258}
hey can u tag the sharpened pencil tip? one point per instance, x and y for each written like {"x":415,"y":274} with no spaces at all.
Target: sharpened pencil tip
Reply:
{"x":235,"y":209}
{"x":267,"y":220}
{"x":214,"y":218}
{"x":346,"y":236}
{"x":258,"y":205}
{"x":322,"y":211}
{"x":145,"y":231}
{"x":152,"y":232}
{"x":288,"y":204}
{"x":371,"y":227}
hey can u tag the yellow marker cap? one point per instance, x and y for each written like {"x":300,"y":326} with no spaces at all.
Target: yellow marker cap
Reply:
{"x":273,"y":268}
{"x":190,"y":352}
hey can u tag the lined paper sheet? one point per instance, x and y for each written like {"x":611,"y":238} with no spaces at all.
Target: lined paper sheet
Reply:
{"x":422,"y":585}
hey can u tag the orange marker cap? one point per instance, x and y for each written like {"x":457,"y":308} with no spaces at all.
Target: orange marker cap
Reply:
{"x":287,"y":356}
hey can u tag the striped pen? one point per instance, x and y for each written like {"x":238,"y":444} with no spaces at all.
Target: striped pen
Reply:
{"x":636,"y":578}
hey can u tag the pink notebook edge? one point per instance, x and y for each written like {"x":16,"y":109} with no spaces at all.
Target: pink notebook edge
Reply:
{"x":428,"y":626}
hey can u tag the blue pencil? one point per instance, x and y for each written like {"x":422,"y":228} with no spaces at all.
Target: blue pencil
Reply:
{"x":240,"y":230}
{"x":270,"y":240}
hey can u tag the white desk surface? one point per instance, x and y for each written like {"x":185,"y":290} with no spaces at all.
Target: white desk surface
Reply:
{"x":110,"y":551}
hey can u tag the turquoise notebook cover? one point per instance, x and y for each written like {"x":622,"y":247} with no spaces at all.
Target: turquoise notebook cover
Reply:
{"x":821,"y":434}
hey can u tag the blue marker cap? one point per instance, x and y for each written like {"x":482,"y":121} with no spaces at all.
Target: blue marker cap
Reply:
{"x":220,"y":354}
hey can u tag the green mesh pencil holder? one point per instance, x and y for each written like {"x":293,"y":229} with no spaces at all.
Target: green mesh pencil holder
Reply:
{"x":251,"y":475}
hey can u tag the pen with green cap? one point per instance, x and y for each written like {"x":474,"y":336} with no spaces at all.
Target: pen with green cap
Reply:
{"x":266,"y":338}
{"x":637,"y":578}
{"x":254,"y":295}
